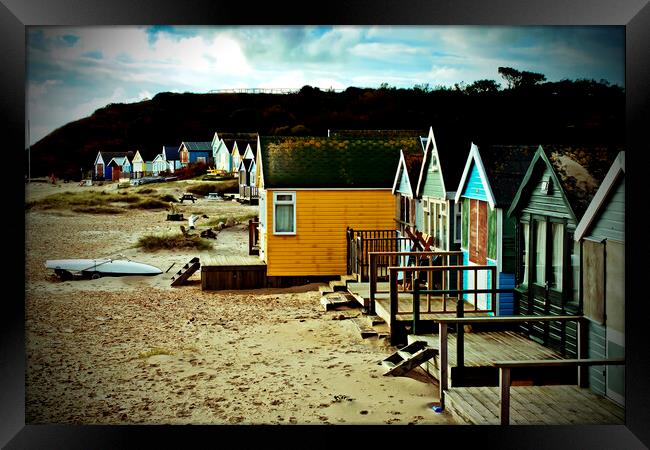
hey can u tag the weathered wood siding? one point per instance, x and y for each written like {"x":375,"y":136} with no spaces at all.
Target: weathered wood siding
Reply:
{"x":552,"y":204}
{"x":433,"y":182}
{"x":403,"y":187}
{"x":419,"y":215}
{"x":474,"y":185}
{"x":319,"y":246}
{"x":610,"y":223}
{"x":596,"y":349}
{"x":508,"y":244}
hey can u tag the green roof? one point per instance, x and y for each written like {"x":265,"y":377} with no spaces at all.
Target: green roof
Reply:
{"x":198,"y":146}
{"x":321,"y":162}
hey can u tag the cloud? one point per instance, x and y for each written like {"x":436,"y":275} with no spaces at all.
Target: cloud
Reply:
{"x":36,"y":90}
{"x":93,"y":55}
{"x":74,"y":69}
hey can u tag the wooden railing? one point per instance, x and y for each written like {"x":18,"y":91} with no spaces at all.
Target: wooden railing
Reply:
{"x":248,"y":192}
{"x":460,"y":343}
{"x":361,"y":242}
{"x":253,"y":237}
{"x":414,"y":271}
{"x":381,"y":261}
{"x":505,"y":378}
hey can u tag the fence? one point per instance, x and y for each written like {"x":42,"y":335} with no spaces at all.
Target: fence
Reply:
{"x":362,"y":242}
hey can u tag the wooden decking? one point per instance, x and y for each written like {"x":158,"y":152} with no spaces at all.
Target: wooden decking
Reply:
{"x":534,"y":405}
{"x":482,"y":349}
{"x":225,"y":272}
{"x":231,"y":260}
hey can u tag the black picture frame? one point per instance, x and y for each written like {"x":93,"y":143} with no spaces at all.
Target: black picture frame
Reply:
{"x":15,"y":15}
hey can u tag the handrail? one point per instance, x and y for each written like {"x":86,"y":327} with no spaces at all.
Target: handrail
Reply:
{"x":505,"y":319}
{"x":373,"y":270}
{"x":460,"y":302}
{"x":443,"y":350}
{"x":505,"y":378}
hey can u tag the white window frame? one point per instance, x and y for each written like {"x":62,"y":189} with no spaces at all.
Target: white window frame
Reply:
{"x":284,"y":202}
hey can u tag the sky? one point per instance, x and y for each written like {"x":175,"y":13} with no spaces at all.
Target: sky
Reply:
{"x":72,"y":71}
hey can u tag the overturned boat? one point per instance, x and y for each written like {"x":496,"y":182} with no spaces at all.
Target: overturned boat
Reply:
{"x":96,"y":268}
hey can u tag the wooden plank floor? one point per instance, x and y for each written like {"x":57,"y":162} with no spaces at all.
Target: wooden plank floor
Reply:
{"x":482,"y":349}
{"x":231,"y":260}
{"x":534,"y":405}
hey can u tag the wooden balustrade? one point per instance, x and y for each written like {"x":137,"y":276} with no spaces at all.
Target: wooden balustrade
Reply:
{"x":443,"y":323}
{"x":505,"y":378}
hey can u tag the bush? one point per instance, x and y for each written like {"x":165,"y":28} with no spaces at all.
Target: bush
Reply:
{"x":98,"y":210}
{"x":171,"y":242}
{"x":168,"y":198}
{"x":150,"y":203}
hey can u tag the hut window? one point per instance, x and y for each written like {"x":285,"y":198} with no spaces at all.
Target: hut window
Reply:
{"x":540,"y":252}
{"x":426,"y":208}
{"x":284,"y":213}
{"x":557,"y":256}
{"x":526,"y":232}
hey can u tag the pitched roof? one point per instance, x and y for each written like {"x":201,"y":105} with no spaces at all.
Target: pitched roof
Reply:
{"x":246,"y":163}
{"x":107,"y":156}
{"x":119,"y":160}
{"x":320,"y":162}
{"x":616,"y":171}
{"x":411,"y":161}
{"x":505,"y":167}
{"x":198,"y":146}
{"x":171,"y":152}
{"x":580,"y":171}
{"x":452,"y":157}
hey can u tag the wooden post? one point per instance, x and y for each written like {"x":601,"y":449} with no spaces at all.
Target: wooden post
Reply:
{"x":583,"y":370}
{"x":442,"y":351}
{"x":394,"y":295}
{"x":504,"y":383}
{"x":370,"y":306}
{"x":416,"y":305}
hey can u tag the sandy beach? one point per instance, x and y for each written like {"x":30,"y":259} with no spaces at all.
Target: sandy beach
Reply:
{"x":127,"y":350}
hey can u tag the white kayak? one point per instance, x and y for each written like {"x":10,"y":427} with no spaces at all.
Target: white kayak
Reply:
{"x":100,"y":267}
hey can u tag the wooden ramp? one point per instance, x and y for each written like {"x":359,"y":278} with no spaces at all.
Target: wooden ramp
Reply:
{"x":186,"y":271}
{"x":534,"y":405}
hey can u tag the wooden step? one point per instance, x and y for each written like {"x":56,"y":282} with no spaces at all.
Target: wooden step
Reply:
{"x":333,"y":300}
{"x":408,"y":358}
{"x":338,"y":286}
{"x":365,"y":330}
{"x":188,"y":269}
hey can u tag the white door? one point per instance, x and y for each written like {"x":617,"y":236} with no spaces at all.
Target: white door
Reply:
{"x":262,"y":216}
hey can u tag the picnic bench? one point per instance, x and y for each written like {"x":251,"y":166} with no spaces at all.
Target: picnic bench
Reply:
{"x":187,"y":197}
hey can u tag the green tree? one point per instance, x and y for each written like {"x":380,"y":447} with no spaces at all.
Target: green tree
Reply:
{"x":480,"y":86}
{"x":515,"y":78}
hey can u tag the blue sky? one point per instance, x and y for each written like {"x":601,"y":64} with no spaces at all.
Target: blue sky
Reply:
{"x":72,"y":71}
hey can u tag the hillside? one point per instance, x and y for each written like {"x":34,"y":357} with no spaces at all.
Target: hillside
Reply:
{"x":566,"y":111}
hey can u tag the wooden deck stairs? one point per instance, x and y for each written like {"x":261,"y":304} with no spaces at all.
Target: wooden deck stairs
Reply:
{"x":186,"y":271}
{"x":408,"y":358}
